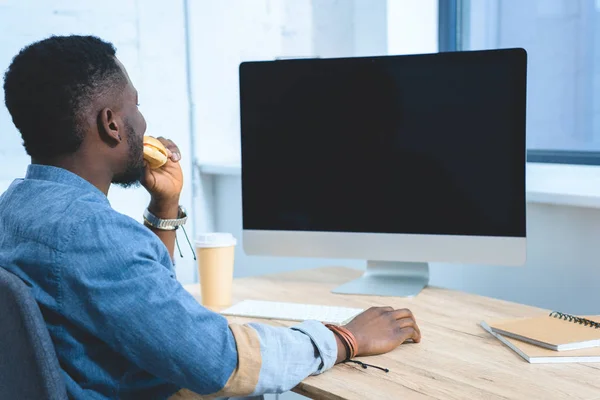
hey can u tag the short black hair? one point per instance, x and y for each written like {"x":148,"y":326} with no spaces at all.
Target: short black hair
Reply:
{"x":50,"y":83}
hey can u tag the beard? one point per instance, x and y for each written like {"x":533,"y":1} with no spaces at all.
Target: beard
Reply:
{"x":134,"y":171}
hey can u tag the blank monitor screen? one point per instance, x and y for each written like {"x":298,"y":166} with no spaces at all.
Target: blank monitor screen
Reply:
{"x":421,"y":144}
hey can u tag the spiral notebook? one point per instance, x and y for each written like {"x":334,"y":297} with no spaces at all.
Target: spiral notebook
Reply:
{"x":539,"y":355}
{"x":556,"y":331}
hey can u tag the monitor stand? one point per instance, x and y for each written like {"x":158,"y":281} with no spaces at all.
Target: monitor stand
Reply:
{"x":387,"y":278}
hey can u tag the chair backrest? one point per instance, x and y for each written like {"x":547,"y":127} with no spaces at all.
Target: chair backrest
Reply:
{"x":28,"y":365}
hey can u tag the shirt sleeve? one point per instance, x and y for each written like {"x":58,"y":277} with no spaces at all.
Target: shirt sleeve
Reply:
{"x":119,"y":285}
{"x":282,"y":366}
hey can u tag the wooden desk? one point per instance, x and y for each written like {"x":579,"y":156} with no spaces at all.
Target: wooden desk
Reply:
{"x":456,"y":359}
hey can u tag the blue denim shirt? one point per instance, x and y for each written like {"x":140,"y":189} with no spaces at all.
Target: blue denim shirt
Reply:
{"x":122,"y":325}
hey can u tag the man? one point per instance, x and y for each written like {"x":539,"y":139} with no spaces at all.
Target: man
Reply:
{"x":122,"y":325}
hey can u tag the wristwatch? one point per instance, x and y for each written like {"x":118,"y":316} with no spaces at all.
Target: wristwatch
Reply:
{"x":165,"y":224}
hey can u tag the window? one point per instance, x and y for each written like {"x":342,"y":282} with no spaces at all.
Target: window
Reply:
{"x":562,"y":38}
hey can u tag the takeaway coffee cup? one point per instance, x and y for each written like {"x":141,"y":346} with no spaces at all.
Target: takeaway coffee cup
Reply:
{"x":215,"y":253}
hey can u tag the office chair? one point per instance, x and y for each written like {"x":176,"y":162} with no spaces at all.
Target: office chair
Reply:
{"x":28,"y":365}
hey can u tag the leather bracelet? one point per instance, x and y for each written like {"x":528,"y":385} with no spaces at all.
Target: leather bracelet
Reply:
{"x":347,"y":338}
{"x":345,"y":343}
{"x":351,"y":346}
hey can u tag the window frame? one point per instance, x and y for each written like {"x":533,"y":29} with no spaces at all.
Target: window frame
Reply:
{"x":450,"y":32}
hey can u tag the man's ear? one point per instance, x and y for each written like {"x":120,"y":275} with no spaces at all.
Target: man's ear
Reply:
{"x":109,"y":127}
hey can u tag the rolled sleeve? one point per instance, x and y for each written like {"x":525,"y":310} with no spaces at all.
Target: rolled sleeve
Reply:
{"x":291,"y":355}
{"x":324,"y":341}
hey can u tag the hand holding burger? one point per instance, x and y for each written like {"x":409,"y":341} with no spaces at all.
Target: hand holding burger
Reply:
{"x":163,"y":177}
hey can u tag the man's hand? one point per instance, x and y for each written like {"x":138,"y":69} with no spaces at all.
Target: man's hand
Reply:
{"x":379,"y":330}
{"x":165,"y":183}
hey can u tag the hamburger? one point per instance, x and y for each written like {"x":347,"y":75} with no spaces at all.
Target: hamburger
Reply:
{"x":155,"y":153}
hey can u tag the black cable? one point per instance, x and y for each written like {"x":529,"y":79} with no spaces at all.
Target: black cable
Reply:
{"x":188,"y":240}
{"x":364,"y":365}
{"x":177,"y":243}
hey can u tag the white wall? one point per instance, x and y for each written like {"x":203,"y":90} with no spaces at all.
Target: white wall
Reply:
{"x":227,"y":32}
{"x":223,"y":34}
{"x":150,"y":42}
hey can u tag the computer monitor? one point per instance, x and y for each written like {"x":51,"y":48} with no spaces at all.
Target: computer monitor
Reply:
{"x":398,"y":160}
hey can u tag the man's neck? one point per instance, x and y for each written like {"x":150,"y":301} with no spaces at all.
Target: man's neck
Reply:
{"x":86,"y":170}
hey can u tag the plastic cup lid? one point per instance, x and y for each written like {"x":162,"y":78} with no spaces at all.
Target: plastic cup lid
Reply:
{"x":216,"y":239}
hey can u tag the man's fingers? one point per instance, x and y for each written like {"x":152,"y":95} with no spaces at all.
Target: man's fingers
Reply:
{"x":408,"y":323}
{"x":403,"y":313}
{"x":407,"y":328}
{"x":172,"y":147}
{"x":416,"y":336}
{"x":409,"y":332}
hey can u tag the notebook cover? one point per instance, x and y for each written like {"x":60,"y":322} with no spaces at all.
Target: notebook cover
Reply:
{"x":549,"y":332}
{"x":539,"y":355}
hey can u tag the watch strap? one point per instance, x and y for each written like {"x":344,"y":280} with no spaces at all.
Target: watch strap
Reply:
{"x":165,"y":224}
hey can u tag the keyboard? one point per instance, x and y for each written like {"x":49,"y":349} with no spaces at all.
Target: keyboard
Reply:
{"x":292,"y":311}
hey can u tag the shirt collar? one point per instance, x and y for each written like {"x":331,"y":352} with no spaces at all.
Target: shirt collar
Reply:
{"x":60,"y":175}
